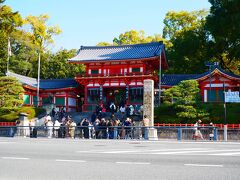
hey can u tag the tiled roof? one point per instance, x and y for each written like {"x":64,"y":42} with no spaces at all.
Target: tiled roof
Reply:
{"x":137,"y":51}
{"x":57,"y":83}
{"x":23,"y":79}
{"x":174,"y":79}
{"x":44,"y":83}
{"x":225,"y":72}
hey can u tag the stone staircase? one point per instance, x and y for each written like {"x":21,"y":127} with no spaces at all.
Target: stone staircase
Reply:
{"x":79,"y":116}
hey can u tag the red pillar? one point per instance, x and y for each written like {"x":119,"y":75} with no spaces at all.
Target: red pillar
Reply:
{"x":66,"y":101}
{"x":127,"y":94}
{"x":85,"y":98}
{"x":30,"y":98}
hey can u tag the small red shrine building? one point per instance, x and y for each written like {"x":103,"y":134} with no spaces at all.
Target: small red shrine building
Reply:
{"x":212,"y":83}
{"x":60,"y":92}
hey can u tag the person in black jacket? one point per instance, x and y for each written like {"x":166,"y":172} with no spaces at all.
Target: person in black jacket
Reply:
{"x":85,"y":125}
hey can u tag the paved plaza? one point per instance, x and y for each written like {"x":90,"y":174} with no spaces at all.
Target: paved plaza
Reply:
{"x":62,"y":159}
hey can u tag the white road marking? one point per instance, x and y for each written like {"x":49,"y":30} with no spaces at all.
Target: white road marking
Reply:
{"x":135,"y":163}
{"x":69,"y":160}
{"x":3,"y":142}
{"x":131,"y":151}
{"x":226,"y":154}
{"x":203,"y":151}
{"x":204,"y":165}
{"x":182,"y":151}
{"x":15,"y":158}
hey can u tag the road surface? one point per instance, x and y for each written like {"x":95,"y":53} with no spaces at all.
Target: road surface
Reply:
{"x":63,"y":159}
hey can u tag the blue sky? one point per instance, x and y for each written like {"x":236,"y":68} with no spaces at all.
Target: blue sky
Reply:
{"x":87,"y":22}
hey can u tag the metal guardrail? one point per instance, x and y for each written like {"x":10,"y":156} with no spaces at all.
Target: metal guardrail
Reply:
{"x":220,"y":126}
{"x":111,"y":132}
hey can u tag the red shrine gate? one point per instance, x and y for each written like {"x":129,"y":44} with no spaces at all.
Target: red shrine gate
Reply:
{"x":116,"y":73}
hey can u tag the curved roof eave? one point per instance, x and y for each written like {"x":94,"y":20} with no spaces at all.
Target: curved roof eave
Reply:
{"x":117,"y":53}
{"x":94,"y":60}
{"x":208,"y":74}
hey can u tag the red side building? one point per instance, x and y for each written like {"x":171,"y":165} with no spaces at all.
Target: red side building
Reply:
{"x":212,"y":83}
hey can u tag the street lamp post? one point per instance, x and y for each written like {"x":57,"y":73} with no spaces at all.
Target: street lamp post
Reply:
{"x":211,"y":65}
{"x":225,"y":114}
{"x":160,"y":72}
{"x":38,"y":79}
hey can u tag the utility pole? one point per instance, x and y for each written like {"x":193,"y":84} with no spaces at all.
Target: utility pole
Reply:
{"x":160,"y":73}
{"x":225,"y":114}
{"x":38,"y":79}
{"x":210,"y":65}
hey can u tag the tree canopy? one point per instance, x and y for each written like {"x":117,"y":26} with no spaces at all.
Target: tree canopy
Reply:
{"x":10,"y":92}
{"x":223,"y":24}
{"x":188,"y":38}
{"x":57,"y":67}
{"x":41,"y":34}
{"x":134,"y":37}
{"x":9,"y":23}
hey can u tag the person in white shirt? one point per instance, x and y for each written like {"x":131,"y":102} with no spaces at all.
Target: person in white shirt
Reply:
{"x":50,"y":128}
{"x":56,"y":128}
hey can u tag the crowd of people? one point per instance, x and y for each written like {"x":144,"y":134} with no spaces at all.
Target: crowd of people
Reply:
{"x":98,"y":126}
{"x":104,"y":128}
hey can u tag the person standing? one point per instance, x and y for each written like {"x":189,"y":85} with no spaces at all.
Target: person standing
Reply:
{"x":197,"y":133}
{"x":31,"y":128}
{"x":85,"y":124}
{"x":96,"y":127}
{"x":211,"y":131}
{"x":112,"y":108}
{"x":50,"y":128}
{"x":145,"y":126}
{"x":72,"y":127}
{"x":56,"y":128}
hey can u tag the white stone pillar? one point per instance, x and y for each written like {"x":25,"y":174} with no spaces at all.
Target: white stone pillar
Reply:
{"x":148,"y":107}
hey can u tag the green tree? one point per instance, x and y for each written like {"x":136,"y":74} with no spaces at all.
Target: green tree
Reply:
{"x":186,"y":99}
{"x":57,"y":67}
{"x":22,"y":58}
{"x":10,"y":91}
{"x":41,"y":36}
{"x":175,"y":23}
{"x":104,"y":44}
{"x":135,"y":37}
{"x":223,"y":23}
{"x":186,"y":33}
{"x":9,"y":23}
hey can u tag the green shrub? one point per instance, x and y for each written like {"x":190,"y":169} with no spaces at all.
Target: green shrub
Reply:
{"x":212,"y":112}
{"x":11,"y":115}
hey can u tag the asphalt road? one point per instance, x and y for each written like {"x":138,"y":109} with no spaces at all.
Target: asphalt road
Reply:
{"x":63,"y":159}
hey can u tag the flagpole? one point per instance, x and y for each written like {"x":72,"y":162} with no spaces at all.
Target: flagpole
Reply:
{"x":8,"y":54}
{"x":38,"y":79}
{"x":7,"y":63}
